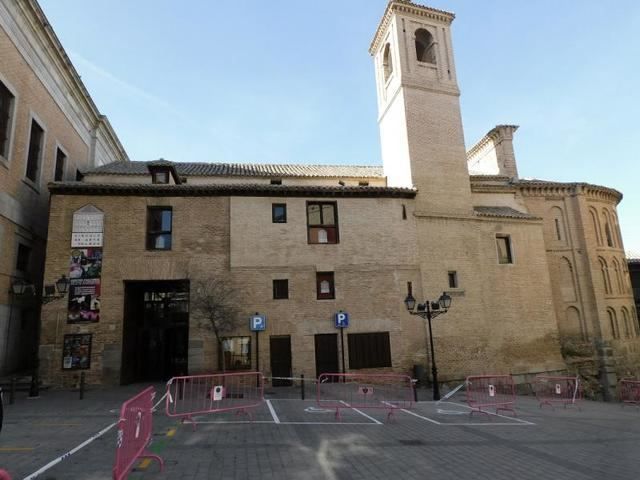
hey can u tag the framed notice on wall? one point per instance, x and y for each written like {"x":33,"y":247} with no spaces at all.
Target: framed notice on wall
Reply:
{"x":76,"y":352}
{"x":84,"y":285}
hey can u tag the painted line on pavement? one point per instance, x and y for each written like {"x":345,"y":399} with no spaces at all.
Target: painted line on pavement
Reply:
{"x":514,"y":419}
{"x":70,"y":452}
{"x":420,"y":416}
{"x":361,"y":412}
{"x":16,"y":449}
{"x":273,"y":412}
{"x":248,"y":422}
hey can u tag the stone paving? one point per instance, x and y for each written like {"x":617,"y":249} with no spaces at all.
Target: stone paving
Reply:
{"x":293,"y":439}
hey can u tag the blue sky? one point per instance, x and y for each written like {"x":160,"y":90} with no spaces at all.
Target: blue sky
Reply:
{"x":291,"y":82}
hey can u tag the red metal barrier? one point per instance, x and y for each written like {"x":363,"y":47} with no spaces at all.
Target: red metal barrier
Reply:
{"x":134,"y":433}
{"x":491,"y":391}
{"x":222,"y":392}
{"x":4,"y":475}
{"x":552,"y":390}
{"x":629,"y":391}
{"x":351,"y":390}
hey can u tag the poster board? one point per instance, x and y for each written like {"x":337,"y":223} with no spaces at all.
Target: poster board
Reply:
{"x":76,"y":352}
{"x":85,"y":271}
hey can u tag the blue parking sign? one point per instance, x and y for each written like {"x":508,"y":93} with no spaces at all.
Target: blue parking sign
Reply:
{"x":258,"y":323}
{"x":342,"y":320}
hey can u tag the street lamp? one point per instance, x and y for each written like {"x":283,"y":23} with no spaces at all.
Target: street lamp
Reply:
{"x":19,"y":288}
{"x":430,"y":310}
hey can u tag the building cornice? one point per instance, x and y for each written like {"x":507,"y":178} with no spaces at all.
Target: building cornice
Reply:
{"x":492,"y":136}
{"x":247,"y":190}
{"x":407,"y":7}
{"x":540,"y":188}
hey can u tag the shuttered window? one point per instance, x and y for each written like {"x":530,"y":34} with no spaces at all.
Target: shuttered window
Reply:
{"x":369,"y":350}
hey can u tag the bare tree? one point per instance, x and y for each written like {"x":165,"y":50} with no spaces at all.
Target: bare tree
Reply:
{"x":213,"y":301}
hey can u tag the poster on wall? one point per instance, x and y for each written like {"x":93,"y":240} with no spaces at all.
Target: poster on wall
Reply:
{"x":84,"y":285}
{"x":76,"y":352}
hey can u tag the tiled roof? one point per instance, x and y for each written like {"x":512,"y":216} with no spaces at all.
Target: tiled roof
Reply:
{"x":503,"y":212}
{"x":247,"y":190}
{"x":243,"y":169}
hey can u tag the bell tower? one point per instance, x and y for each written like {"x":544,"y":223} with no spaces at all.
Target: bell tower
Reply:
{"x":419,"y":108}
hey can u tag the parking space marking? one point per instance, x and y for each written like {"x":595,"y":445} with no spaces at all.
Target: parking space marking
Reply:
{"x":273,"y":412}
{"x":420,"y":416}
{"x":361,"y":412}
{"x":213,"y":422}
{"x":16,"y":449}
{"x":513,"y":419}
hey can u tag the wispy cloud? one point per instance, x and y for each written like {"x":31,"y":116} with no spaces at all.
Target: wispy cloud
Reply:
{"x":124,"y":86}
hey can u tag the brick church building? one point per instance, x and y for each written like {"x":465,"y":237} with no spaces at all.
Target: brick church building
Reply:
{"x":533,"y":267}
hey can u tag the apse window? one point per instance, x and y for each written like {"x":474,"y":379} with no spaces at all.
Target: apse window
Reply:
{"x":369,"y":350}
{"x":503,"y":244}
{"x":279,"y":212}
{"x":387,"y":62}
{"x":237,"y":353}
{"x":281,"y":289}
{"x":325,"y":286}
{"x":159,"y":226}
{"x":322,"y":222}
{"x":7,"y":101}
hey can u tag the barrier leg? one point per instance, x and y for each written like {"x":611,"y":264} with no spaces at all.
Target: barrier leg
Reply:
{"x":153,"y":456}
{"x":338,"y":417}
{"x":190,"y":419}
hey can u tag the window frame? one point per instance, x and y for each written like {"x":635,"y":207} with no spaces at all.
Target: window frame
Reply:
{"x":11,"y":123}
{"x":453,"y":275}
{"x":245,"y":365}
{"x":23,"y":247}
{"x":155,"y":233}
{"x":378,"y":354}
{"x":35,"y":183}
{"x":331,"y":278}
{"x":273,"y":212}
{"x":323,"y":225}
{"x":509,"y":245}
{"x":166,"y":174}
{"x":277,"y":293}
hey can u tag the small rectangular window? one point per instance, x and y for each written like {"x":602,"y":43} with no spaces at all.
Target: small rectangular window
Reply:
{"x":557,"y":222}
{"x":453,"y":279}
{"x":363,"y":184}
{"x":35,"y":151}
{"x":279,"y":212}
{"x":22,"y":258}
{"x":280,"y":289}
{"x":61,"y":160}
{"x":79,"y":176}
{"x":160,"y":177}
{"x":159,"y":228}
{"x":236,"y":353}
{"x":369,"y":350}
{"x":7,"y":101}
{"x":503,"y":243}
{"x":404,"y":212}
{"x":325,"y":285}
{"x":322,"y":222}
{"x":276,"y":181}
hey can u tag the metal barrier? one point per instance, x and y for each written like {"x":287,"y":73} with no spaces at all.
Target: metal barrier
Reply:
{"x":629,"y":391}
{"x":552,"y":390}
{"x":134,"y":433}
{"x":491,"y":391}
{"x":223,"y":392}
{"x":389,"y":392}
{"x":4,"y":475}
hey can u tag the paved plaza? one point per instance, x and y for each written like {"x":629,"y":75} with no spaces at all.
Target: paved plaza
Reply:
{"x":291,"y":439}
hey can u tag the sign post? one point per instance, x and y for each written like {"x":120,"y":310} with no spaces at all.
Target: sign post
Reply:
{"x":258,"y":323}
{"x":342,"y":321}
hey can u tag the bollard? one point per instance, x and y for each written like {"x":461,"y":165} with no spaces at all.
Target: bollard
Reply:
{"x":12,"y":391}
{"x":302,"y":385}
{"x":415,"y":391}
{"x":81,"y":385}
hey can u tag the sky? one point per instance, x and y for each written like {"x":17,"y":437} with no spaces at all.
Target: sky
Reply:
{"x":285,"y":81}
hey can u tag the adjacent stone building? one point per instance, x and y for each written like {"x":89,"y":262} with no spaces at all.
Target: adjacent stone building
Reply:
{"x":533,"y":266}
{"x":50,"y":129}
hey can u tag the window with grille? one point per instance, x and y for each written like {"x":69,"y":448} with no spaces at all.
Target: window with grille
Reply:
{"x":322,"y":222}
{"x":159,"y":228}
{"x":236,"y":353}
{"x":280,"y":289}
{"x":325,"y":285}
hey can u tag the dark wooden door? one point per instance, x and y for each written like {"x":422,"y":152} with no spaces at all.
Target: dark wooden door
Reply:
{"x":327,"y":353}
{"x":280,"y":347}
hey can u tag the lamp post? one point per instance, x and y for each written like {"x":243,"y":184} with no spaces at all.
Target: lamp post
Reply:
{"x":430,"y":310}
{"x":20,"y":287}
